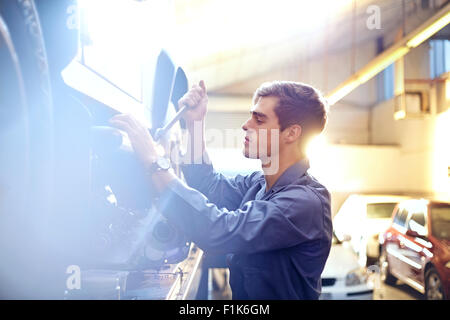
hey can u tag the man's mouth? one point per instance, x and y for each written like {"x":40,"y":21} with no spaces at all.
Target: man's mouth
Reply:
{"x":247,"y":141}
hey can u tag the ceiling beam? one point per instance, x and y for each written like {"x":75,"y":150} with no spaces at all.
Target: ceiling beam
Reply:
{"x":393,"y":53}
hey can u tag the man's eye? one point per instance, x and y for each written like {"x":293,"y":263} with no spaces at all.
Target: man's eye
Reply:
{"x":258,"y":121}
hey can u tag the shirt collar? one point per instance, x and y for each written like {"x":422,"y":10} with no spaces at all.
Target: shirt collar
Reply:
{"x":291,"y":174}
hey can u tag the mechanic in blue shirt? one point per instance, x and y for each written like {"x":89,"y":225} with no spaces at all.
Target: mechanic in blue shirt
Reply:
{"x":275,"y":224}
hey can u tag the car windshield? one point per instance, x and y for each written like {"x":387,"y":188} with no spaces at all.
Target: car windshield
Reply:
{"x":380,"y":210}
{"x":440,"y":222}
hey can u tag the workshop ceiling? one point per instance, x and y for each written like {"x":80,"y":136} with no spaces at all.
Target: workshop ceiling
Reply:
{"x":228,"y":42}
{"x":233,"y":44}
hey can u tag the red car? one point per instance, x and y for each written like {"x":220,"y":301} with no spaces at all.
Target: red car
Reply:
{"x":416,"y":247}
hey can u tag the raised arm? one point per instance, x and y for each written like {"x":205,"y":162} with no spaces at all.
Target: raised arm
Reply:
{"x":197,"y":168}
{"x":224,"y":192}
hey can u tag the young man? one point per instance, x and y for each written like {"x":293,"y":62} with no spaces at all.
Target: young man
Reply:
{"x":275,"y":225}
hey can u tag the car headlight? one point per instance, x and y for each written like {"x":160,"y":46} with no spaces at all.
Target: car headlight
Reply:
{"x":447,"y":265}
{"x":356,"y":277}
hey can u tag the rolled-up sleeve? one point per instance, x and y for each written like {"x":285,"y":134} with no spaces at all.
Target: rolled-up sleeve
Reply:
{"x":289,"y":218}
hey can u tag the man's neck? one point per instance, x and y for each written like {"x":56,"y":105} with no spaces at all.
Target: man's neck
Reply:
{"x":283,"y":165}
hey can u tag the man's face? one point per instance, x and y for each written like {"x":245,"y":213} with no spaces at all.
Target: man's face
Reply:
{"x":262,"y":130}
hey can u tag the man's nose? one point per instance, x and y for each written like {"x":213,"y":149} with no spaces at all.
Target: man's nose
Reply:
{"x":245,"y":125}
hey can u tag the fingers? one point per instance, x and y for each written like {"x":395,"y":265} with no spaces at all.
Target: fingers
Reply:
{"x":132,"y":123}
{"x":191,"y":102}
{"x":194,"y":96}
{"x":122,"y":125}
{"x":202,"y":85}
{"x":198,"y":88}
{"x":126,"y":118}
{"x":187,"y":101}
{"x":141,"y":140}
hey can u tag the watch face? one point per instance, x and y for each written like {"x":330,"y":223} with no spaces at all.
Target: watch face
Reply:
{"x":163,"y":163}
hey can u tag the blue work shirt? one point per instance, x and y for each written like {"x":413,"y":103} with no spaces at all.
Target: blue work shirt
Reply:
{"x":277,"y":241}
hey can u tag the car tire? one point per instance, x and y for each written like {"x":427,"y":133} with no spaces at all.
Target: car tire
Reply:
{"x":386,"y":275}
{"x":433,"y":285}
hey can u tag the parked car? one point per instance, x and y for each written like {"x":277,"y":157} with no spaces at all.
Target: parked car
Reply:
{"x":361,"y":219}
{"x":343,"y":278}
{"x":416,"y":247}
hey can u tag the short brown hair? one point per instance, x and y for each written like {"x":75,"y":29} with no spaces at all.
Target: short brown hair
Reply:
{"x":298,"y":103}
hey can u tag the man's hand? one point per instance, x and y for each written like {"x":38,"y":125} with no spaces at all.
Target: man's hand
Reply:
{"x":141,"y":140}
{"x":143,"y":146}
{"x":197,"y":101}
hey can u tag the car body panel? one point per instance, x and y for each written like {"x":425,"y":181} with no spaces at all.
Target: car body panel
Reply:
{"x":341,"y":261}
{"x":410,"y":256}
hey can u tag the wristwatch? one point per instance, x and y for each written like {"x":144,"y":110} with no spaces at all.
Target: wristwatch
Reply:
{"x":160,"y":164}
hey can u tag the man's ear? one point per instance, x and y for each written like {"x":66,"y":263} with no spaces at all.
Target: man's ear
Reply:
{"x":293,"y":133}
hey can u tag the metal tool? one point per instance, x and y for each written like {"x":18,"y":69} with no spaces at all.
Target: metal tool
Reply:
{"x":160,"y":132}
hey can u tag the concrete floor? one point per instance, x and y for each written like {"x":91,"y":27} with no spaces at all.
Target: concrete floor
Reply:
{"x":400,"y":291}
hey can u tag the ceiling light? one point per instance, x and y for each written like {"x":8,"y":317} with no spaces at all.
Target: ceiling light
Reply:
{"x":429,"y":31}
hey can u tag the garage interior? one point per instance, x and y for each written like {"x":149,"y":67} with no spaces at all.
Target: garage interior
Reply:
{"x":383,"y":65}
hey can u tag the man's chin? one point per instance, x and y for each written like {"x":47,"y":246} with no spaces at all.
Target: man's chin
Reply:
{"x":246,"y":154}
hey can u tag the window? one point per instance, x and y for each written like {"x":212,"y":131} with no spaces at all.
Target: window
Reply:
{"x":440,"y":221}
{"x":419,"y":218}
{"x":120,"y":41}
{"x":388,"y":88}
{"x":380,"y":210}
{"x":400,"y":217}
{"x":386,"y":83}
{"x":417,"y":223}
{"x":439,"y":57}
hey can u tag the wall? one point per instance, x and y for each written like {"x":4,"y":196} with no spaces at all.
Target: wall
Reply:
{"x":371,"y":169}
{"x":423,"y":144}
